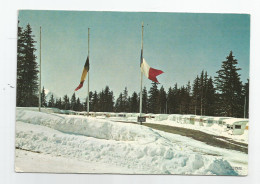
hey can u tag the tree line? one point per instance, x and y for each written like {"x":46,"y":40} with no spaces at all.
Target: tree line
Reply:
{"x":223,"y":95}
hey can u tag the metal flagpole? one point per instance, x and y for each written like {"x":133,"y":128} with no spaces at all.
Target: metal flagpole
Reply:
{"x":141,"y":89}
{"x":40,"y":69}
{"x":88,"y":74}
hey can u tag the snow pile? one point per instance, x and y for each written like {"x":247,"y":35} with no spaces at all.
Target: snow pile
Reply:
{"x":137,"y":148}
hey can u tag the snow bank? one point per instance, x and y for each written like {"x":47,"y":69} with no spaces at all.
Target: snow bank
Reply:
{"x":132,"y":146}
{"x":87,"y":126}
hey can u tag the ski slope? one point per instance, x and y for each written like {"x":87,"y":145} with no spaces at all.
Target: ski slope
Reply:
{"x":69,"y":143}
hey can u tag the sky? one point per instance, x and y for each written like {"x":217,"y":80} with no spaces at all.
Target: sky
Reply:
{"x":180,"y":44}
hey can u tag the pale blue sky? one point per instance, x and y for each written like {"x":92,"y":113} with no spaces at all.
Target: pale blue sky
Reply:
{"x":180,"y":44}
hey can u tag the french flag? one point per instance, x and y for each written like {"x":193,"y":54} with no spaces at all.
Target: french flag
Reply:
{"x":149,"y":72}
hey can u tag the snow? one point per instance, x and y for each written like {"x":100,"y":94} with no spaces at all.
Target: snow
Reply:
{"x":214,"y":129}
{"x":58,"y":143}
{"x":33,"y":162}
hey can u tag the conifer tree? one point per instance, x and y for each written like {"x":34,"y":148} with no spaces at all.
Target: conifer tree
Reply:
{"x":94,"y":102}
{"x":43,"y":98}
{"x":58,"y":103}
{"x":188,"y":98}
{"x":66,"y":102}
{"x":144,"y":101}
{"x":201,"y":94}
{"x":246,"y":99}
{"x":162,"y":100}
{"x":183,"y":100}
{"x":128,"y":107}
{"x":176,"y":99}
{"x":195,"y":95}
{"x":204,"y":97}
{"x":134,"y":103}
{"x":51,"y":102}
{"x":73,"y":102}
{"x":78,"y":106}
{"x":31,"y":69}
{"x":27,"y":69}
{"x":119,"y":103}
{"x":210,"y":98}
{"x":101,"y":101}
{"x":170,"y":101}
{"x":109,"y":99}
{"x":153,"y":104}
{"x":229,"y":88}
{"x":20,"y":69}
{"x":125,"y":102}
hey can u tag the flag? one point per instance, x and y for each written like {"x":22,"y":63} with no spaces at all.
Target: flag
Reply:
{"x":148,"y":71}
{"x":84,"y":74}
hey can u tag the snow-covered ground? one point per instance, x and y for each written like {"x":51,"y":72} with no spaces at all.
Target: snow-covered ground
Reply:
{"x":69,"y":143}
{"x":213,"y":130}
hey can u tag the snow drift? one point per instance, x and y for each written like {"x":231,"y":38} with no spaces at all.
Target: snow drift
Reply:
{"x":134,"y":147}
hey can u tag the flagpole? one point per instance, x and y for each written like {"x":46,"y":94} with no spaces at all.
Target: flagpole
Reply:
{"x":88,"y":76}
{"x":40,"y":69}
{"x":141,"y":89}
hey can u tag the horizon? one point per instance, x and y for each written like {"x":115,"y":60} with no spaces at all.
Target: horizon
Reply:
{"x":180,"y":44}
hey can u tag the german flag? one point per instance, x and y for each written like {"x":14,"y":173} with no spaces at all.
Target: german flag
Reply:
{"x":84,"y":74}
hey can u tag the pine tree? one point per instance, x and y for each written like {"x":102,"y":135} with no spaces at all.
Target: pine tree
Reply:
{"x":176,"y":99}
{"x":125,"y":101}
{"x":43,"y":98}
{"x":108,"y":100}
{"x":205,"y":90}
{"x":188,"y":98}
{"x":182,"y":100}
{"x":111,"y":101}
{"x":94,"y":102}
{"x":153,"y":103}
{"x":27,"y":69}
{"x":20,"y":69}
{"x":119,"y":103}
{"x":201,"y":94}
{"x":195,"y":95}
{"x":210,"y":98}
{"x":73,"y":102}
{"x":128,"y":107}
{"x":101,"y":101}
{"x":134,"y":103}
{"x":78,"y":106}
{"x":229,"y":87}
{"x":51,"y":102}
{"x":162,"y":100}
{"x":58,"y":103}
{"x":30,"y":69}
{"x":144,"y":101}
{"x":66,"y":102}
{"x":170,"y":100}
{"x":246,"y":99}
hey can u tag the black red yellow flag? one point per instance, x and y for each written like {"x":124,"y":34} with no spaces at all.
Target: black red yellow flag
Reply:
{"x":84,"y":74}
